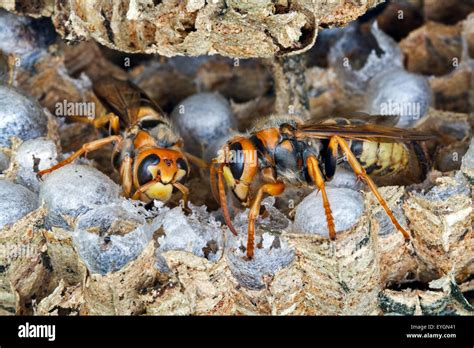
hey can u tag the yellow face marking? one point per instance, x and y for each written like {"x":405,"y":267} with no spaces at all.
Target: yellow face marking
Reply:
{"x":160,"y":191}
{"x":153,"y":170}
{"x":167,"y":176}
{"x":181,"y":173}
{"x":242,"y":191}
{"x":166,"y":173}
{"x":229,"y":178}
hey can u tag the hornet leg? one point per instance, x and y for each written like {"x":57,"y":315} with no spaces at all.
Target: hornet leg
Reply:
{"x":126,"y":176}
{"x":317,"y":177}
{"x":213,"y":179}
{"x":185,"y":191}
{"x":273,"y":189}
{"x":198,"y":162}
{"x":360,"y":172}
{"x":88,"y":147}
{"x":111,"y":119}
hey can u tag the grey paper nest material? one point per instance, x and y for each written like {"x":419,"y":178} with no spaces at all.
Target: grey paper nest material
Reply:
{"x":20,"y":117}
{"x":82,"y":188}
{"x":255,"y":28}
{"x":15,"y":202}
{"x":89,"y":251}
{"x":305,"y":274}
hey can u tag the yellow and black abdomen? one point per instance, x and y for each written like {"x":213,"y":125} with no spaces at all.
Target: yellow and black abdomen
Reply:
{"x":394,"y":163}
{"x":381,"y":158}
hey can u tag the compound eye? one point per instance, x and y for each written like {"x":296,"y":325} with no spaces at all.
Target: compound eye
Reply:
{"x":237,"y":160}
{"x":181,"y":163}
{"x":143,"y":174}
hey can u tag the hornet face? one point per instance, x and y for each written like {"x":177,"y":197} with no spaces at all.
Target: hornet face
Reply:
{"x":240,"y":165}
{"x":156,"y":172}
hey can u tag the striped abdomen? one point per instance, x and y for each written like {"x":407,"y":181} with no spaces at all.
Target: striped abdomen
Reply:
{"x":381,"y":158}
{"x":384,"y":159}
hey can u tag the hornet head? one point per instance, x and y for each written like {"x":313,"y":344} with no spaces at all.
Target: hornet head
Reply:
{"x":236,"y":165}
{"x":156,"y":171}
